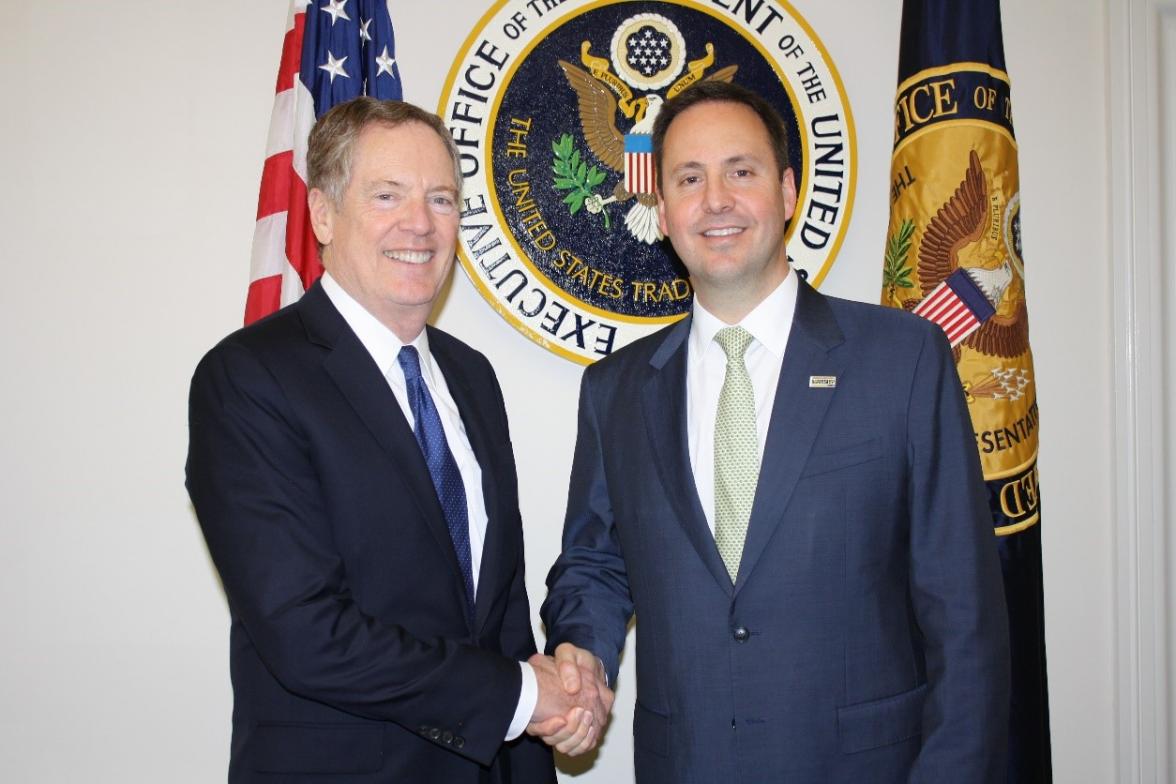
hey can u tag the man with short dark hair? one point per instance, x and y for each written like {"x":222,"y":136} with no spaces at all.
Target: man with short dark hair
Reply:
{"x":784,"y":488}
{"x":352,"y":472}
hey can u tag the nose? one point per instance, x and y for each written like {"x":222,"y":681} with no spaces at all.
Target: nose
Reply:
{"x":416,"y":216}
{"x":717,"y":196}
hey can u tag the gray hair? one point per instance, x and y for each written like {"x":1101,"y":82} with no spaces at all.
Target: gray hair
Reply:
{"x":332,"y":140}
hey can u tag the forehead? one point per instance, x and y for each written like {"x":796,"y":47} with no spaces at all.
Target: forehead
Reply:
{"x":713,"y":129}
{"x":410,"y":152}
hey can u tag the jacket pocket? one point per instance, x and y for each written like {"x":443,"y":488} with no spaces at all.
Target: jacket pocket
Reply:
{"x":870,"y":725}
{"x":824,"y":462}
{"x":291,"y":747}
{"x":651,"y":731}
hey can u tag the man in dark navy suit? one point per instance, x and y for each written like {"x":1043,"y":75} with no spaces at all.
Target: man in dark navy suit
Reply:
{"x":785,"y":489}
{"x":353,"y":475}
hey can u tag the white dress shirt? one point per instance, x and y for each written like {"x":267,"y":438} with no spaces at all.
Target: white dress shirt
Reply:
{"x":384,"y":347}
{"x":770,"y":324}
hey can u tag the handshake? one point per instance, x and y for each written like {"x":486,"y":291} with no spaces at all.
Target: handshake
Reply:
{"x":574,"y":702}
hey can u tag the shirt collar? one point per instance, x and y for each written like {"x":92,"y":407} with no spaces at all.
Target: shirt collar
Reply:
{"x":381,"y":342}
{"x":769,"y":322}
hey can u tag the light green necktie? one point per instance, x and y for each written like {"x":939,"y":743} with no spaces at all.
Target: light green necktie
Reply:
{"x":736,"y":450}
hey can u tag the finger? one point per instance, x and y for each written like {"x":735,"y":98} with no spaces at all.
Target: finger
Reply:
{"x":574,"y":742}
{"x":599,"y":715}
{"x":601,"y":705}
{"x":545,"y":729}
{"x":587,"y":744}
{"x":573,"y":726}
{"x":591,"y":741}
{"x":569,"y":674}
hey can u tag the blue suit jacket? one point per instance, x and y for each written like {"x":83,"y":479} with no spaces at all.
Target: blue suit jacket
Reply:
{"x":351,"y":654}
{"x":866,"y":636}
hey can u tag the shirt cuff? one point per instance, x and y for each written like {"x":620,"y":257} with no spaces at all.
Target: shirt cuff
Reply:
{"x":528,"y":696}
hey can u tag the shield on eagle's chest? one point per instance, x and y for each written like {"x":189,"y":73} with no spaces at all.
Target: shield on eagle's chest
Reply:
{"x":639,"y":163}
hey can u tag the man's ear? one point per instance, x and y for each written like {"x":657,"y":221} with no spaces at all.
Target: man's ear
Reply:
{"x":788,"y":188}
{"x":322,"y":216}
{"x":661,"y":211}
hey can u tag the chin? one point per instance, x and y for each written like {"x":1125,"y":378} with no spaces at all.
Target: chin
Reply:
{"x":725,"y":269}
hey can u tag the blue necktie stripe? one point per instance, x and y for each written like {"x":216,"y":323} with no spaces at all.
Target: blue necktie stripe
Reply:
{"x":443,"y":469}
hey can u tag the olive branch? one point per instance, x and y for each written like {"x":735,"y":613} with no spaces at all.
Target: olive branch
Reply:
{"x":896,"y":273}
{"x":575,"y":176}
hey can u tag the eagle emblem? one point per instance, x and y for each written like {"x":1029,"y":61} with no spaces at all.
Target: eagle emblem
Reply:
{"x":948,"y":245}
{"x":648,"y":53}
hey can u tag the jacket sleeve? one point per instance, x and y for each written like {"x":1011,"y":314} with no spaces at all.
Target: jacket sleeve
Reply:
{"x":251,"y":474}
{"x":956,"y":585}
{"x":588,"y":602}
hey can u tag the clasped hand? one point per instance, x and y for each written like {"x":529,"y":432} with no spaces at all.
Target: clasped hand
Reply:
{"x":574,"y":702}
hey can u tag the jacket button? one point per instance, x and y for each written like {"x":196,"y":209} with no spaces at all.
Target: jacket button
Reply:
{"x":435,"y":733}
{"x":447,"y":736}
{"x":740,"y":634}
{"x":458,"y":741}
{"x":424,"y":729}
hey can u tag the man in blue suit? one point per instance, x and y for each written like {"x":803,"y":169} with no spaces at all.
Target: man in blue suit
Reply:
{"x":784,"y":488}
{"x":352,"y":472}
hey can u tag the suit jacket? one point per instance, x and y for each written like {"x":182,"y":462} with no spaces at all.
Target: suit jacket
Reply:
{"x":865,"y":638}
{"x":350,"y":650}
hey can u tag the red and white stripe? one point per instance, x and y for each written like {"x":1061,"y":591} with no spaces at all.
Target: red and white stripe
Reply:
{"x":639,"y":172}
{"x":945,"y":308}
{"x":285,"y":257}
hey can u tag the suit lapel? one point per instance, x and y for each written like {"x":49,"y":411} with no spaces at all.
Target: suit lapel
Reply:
{"x":490,"y":573}
{"x":364,"y":387}
{"x":664,"y":404}
{"x":797,"y":413}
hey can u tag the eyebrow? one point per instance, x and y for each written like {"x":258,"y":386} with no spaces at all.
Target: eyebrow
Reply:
{"x":398,"y":185}
{"x":374,"y":184}
{"x":731,"y":161}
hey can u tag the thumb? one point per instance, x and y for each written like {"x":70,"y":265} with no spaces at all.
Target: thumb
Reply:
{"x":546,"y":728}
{"x":569,"y":674}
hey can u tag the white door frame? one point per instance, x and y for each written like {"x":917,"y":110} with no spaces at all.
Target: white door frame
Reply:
{"x":1142,"y":156}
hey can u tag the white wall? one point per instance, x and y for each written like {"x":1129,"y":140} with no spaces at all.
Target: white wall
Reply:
{"x":130,"y":148}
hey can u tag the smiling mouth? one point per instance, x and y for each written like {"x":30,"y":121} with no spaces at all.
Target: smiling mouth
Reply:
{"x":409,"y":256}
{"x":726,"y":231}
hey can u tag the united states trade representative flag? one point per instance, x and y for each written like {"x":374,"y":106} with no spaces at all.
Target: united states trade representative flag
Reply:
{"x":334,"y":50}
{"x":953,"y":256}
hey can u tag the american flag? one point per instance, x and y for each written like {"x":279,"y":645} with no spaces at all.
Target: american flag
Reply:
{"x":638,"y":163}
{"x":957,"y":305}
{"x":334,"y":50}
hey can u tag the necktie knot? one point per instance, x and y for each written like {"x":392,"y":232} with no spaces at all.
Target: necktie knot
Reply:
{"x":410,"y":363}
{"x":734,"y":341}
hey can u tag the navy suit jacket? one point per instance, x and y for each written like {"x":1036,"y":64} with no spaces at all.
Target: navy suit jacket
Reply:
{"x":865,"y":638}
{"x":350,"y":650}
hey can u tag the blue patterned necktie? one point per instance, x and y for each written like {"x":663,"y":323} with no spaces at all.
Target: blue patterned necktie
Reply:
{"x":442,"y":467}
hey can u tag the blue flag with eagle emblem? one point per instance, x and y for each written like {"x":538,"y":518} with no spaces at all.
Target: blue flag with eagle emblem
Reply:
{"x":953,"y":256}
